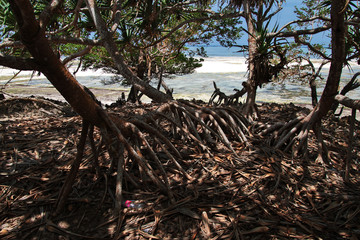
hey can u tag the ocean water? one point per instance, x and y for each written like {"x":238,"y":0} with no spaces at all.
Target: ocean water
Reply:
{"x":224,"y":66}
{"x":228,"y":69}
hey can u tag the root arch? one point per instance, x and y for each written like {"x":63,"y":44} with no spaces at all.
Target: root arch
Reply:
{"x":150,"y":142}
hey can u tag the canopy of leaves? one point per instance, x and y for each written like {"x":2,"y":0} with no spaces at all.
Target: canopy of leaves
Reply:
{"x":143,"y":35}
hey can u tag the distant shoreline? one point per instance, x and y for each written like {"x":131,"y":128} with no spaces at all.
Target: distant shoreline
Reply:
{"x":227,"y":71}
{"x":108,"y":96}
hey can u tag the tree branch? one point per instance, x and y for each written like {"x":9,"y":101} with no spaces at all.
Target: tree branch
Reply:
{"x":180,"y":25}
{"x":48,"y":12}
{"x":274,"y":13}
{"x":299,"y":32}
{"x":348,"y":102}
{"x":77,"y":54}
{"x":9,"y":43}
{"x":303,"y":21}
{"x":73,"y":23}
{"x":80,"y":41}
{"x":35,"y":41}
{"x":118,"y":59}
{"x":25,"y":64}
{"x":312,"y":48}
{"x":57,"y":39}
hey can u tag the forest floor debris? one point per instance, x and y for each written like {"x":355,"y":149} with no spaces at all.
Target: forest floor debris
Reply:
{"x":259,"y":194}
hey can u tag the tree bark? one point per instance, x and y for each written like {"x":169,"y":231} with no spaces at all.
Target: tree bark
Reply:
{"x":251,"y":86}
{"x":33,"y":37}
{"x":338,"y":31}
{"x":348,"y":102}
{"x":314,"y":100}
{"x":313,"y":120}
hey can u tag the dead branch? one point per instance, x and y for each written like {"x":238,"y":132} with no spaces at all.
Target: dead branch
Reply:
{"x":348,"y":102}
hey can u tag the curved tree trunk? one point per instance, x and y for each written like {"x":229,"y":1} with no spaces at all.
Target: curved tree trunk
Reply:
{"x":300,"y":131}
{"x":338,"y":30}
{"x":119,"y":61}
{"x":32,"y":33}
{"x":33,"y":37}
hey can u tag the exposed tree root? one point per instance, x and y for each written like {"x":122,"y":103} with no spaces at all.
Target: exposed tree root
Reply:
{"x":67,"y":187}
{"x":150,"y":138}
{"x":142,"y":143}
{"x":10,"y":107}
{"x":207,"y":126}
{"x":262,"y":194}
{"x":221,"y":97}
{"x":293,"y":136}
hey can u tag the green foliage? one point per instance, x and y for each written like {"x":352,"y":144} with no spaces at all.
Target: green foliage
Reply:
{"x":352,"y":44}
{"x":142,"y":33}
{"x":268,"y":49}
{"x":322,"y":8}
{"x":310,"y":9}
{"x":183,"y":64}
{"x":142,"y":36}
{"x":7,"y":20}
{"x":228,"y":31}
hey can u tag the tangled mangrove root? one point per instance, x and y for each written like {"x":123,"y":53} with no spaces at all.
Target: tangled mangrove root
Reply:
{"x":144,"y":146}
{"x":262,"y":194}
{"x":294,"y":135}
{"x":233,"y":99}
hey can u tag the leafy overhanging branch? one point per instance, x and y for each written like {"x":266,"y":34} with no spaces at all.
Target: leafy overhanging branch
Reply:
{"x":213,"y":17}
{"x":56,"y":39}
{"x":312,"y":48}
{"x":300,"y":32}
{"x":118,"y":59}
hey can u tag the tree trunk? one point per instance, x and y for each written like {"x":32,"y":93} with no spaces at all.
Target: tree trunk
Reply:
{"x":251,"y":86}
{"x":313,"y":120}
{"x":33,"y":37}
{"x":338,"y":30}
{"x":314,"y":99}
{"x":119,"y":61}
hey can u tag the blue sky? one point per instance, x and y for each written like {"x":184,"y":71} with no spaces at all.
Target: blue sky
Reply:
{"x":287,"y":15}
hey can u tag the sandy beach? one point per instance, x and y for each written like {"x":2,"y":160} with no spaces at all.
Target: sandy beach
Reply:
{"x":106,"y":96}
{"x":225,"y":71}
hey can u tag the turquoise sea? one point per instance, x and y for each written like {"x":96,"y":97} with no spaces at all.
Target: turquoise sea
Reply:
{"x":226,"y":67}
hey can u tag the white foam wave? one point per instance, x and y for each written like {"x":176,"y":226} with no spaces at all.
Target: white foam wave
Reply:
{"x":223,"y":65}
{"x":91,"y":72}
